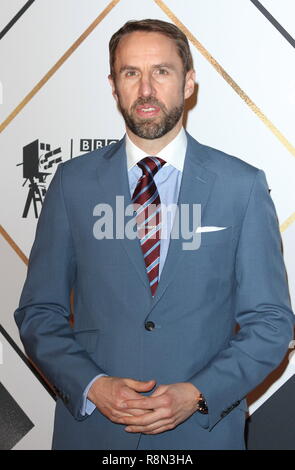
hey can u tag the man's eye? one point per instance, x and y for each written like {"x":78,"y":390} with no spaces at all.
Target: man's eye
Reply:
{"x":131,"y":73}
{"x":162,"y":72}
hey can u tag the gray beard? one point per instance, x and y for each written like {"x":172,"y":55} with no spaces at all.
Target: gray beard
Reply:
{"x":147,"y":128}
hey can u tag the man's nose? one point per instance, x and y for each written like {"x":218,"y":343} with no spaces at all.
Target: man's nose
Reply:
{"x":146,"y":87}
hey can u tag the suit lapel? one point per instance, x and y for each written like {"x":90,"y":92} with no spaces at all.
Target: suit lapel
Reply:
{"x":113,"y":176}
{"x":196,"y":186}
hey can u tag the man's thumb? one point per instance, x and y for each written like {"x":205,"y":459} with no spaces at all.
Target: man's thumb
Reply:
{"x":141,"y":385}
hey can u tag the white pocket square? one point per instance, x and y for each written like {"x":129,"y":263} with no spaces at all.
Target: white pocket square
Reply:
{"x":209,"y":229}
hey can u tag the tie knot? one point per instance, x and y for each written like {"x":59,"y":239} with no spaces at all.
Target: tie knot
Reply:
{"x":150,"y":165}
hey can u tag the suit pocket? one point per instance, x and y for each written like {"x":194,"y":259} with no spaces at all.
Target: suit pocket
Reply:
{"x":87,"y":339}
{"x":216,"y":237}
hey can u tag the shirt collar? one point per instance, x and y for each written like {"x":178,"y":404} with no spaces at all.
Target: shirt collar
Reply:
{"x":173,"y":153}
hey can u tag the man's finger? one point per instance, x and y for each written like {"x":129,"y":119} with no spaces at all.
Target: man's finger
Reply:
{"x":121,"y":414}
{"x":152,"y":428}
{"x":147,"y":418}
{"x":135,"y":412}
{"x":130,"y":393}
{"x":158,"y":430}
{"x":144,"y":403}
{"x":140,"y":386}
{"x":160,"y":390}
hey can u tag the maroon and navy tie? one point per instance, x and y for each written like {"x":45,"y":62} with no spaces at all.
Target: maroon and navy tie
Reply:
{"x":148,"y":217}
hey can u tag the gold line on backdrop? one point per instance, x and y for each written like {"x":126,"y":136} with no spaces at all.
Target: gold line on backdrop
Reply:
{"x":288,"y":222}
{"x":13,"y":245}
{"x":227,"y":77}
{"x":23,"y":257}
{"x":58,"y":64}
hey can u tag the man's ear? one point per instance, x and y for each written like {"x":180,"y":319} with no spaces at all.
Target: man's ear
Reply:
{"x":189,"y":83}
{"x":113,"y":86}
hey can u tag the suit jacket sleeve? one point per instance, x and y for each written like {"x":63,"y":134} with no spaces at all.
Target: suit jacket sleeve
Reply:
{"x":262,"y":309}
{"x":44,"y":308}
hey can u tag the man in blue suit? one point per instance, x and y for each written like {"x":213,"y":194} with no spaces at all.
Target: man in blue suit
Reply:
{"x":154,"y":359}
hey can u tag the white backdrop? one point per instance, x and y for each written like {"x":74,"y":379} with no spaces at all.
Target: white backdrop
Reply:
{"x":245,"y":106}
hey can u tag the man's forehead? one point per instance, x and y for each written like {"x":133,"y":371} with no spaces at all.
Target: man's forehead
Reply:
{"x":135,"y":35}
{"x":135,"y":45}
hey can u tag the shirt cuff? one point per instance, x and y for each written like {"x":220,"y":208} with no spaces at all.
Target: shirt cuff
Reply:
{"x":87,"y":405}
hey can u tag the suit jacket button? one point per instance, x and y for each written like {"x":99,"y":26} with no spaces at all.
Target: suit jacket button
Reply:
{"x":149,"y":325}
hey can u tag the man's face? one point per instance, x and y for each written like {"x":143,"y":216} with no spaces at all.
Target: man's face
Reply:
{"x":150,"y":86}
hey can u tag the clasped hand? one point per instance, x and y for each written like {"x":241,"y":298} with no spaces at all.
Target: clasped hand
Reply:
{"x":120,"y":401}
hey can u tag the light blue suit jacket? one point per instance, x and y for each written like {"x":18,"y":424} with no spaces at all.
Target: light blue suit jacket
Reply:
{"x":236,"y":276}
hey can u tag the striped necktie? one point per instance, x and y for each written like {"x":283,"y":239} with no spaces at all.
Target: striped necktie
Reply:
{"x":148,"y":217}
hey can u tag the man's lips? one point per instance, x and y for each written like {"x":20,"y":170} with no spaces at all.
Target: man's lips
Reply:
{"x":147,"y":110}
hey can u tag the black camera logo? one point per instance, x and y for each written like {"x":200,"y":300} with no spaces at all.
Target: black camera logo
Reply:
{"x":37,"y":158}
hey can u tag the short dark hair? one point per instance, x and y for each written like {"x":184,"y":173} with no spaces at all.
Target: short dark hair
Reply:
{"x":155,"y":26}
